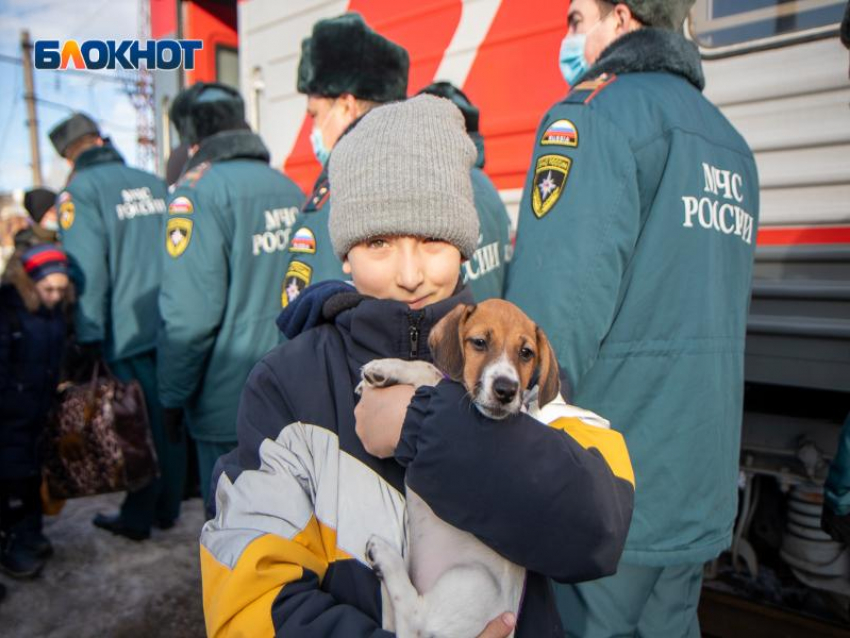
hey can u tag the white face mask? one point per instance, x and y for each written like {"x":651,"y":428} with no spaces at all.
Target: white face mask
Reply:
{"x":50,"y":224}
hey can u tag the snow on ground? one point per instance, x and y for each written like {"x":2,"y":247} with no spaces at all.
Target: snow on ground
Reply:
{"x":98,"y":584}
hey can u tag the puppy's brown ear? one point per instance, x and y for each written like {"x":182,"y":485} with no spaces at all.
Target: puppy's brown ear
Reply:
{"x":445,"y":343}
{"x":549,"y":381}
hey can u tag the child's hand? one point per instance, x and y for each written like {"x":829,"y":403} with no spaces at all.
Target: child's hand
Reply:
{"x":499,"y":627}
{"x":379,"y":417}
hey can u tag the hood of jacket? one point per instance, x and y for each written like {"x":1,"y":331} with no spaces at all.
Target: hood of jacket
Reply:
{"x":227,"y":145}
{"x":651,"y":50}
{"x":371,"y":328}
{"x":97,"y":155}
{"x":15,"y":277}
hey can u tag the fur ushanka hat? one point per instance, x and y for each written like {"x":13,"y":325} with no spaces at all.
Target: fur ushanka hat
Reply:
{"x":344,"y":55}
{"x":213,"y":108}
{"x":69,"y":130}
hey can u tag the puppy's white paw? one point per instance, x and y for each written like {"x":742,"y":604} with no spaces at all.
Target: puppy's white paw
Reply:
{"x":382,"y":373}
{"x":376,"y":551}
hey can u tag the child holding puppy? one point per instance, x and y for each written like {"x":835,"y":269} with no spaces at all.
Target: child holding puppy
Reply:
{"x":299,"y":498}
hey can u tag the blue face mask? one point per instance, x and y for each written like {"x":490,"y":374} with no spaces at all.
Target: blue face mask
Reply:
{"x":572,"y":61}
{"x":322,"y":154}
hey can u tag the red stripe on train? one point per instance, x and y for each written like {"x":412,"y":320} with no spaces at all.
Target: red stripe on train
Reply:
{"x":794,"y":235}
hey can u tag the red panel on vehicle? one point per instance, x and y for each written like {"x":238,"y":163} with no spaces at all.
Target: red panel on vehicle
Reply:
{"x":514,"y":80}
{"x":163,"y":18}
{"x":798,"y":235}
{"x":215,"y":24}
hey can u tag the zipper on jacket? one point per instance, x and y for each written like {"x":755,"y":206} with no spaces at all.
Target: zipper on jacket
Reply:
{"x":415,"y":318}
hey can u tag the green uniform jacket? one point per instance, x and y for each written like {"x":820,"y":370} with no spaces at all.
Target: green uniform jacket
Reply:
{"x":634,"y":253}
{"x":110,"y":216}
{"x":837,"y":490}
{"x":223,"y":255}
{"x":485,"y":271}
{"x":310,"y":255}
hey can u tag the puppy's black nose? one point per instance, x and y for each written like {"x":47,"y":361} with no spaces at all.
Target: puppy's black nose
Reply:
{"x":505,"y":389}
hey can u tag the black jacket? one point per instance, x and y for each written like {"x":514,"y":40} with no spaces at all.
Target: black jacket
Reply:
{"x":31,"y":344}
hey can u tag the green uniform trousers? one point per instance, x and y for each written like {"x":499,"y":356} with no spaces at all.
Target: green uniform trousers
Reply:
{"x":208,"y":453}
{"x":638,"y":601}
{"x":159,"y":501}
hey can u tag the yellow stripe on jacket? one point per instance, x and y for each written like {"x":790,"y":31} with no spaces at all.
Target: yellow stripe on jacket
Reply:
{"x":610,"y":444}
{"x":238,"y":601}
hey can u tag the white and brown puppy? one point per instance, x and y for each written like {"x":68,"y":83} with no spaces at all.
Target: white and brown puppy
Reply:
{"x":449,"y":584}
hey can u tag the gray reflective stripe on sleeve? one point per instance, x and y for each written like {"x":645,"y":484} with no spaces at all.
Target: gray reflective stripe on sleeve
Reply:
{"x":367,"y":505}
{"x":300,"y":473}
{"x":274,"y":499}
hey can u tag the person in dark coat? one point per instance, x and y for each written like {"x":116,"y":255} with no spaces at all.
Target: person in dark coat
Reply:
{"x":32,"y":335}
{"x":41,"y":206}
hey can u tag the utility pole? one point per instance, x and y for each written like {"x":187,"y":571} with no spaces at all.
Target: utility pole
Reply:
{"x":29,"y":97}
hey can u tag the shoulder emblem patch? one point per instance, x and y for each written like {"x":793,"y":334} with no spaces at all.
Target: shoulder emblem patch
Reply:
{"x":318,"y":198}
{"x":191,"y":177}
{"x":297,"y":279}
{"x":66,"y":211}
{"x":181,"y":206}
{"x":178,"y":233}
{"x":550,"y":180}
{"x":560,"y":133}
{"x":303,"y":241}
{"x":585,"y":91}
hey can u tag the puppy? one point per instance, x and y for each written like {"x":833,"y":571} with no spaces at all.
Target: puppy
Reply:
{"x":450,"y":585}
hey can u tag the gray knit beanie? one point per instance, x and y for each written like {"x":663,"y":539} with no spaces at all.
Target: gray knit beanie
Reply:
{"x":404,"y":170}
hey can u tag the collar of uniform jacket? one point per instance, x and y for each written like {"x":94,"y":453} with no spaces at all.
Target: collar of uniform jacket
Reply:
{"x":228,"y":145}
{"x":651,"y":50}
{"x":478,"y":140}
{"x":98,"y":155}
{"x":322,"y":180}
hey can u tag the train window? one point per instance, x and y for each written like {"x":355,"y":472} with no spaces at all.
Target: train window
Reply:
{"x":729,"y":24}
{"x":227,"y":65}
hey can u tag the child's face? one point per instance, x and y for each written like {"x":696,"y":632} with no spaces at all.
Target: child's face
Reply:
{"x":417,"y":271}
{"x":52,"y":289}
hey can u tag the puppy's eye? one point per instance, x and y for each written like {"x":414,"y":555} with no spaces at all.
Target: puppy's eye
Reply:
{"x":526,"y":354}
{"x":478,"y":343}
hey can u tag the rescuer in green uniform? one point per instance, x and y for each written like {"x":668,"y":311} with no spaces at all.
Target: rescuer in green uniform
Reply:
{"x":110,"y":219}
{"x":223,"y":253}
{"x":484,"y":271}
{"x":346,"y":69}
{"x":637,"y":230}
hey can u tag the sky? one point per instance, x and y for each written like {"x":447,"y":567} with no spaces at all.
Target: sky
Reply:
{"x":63,"y":92}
